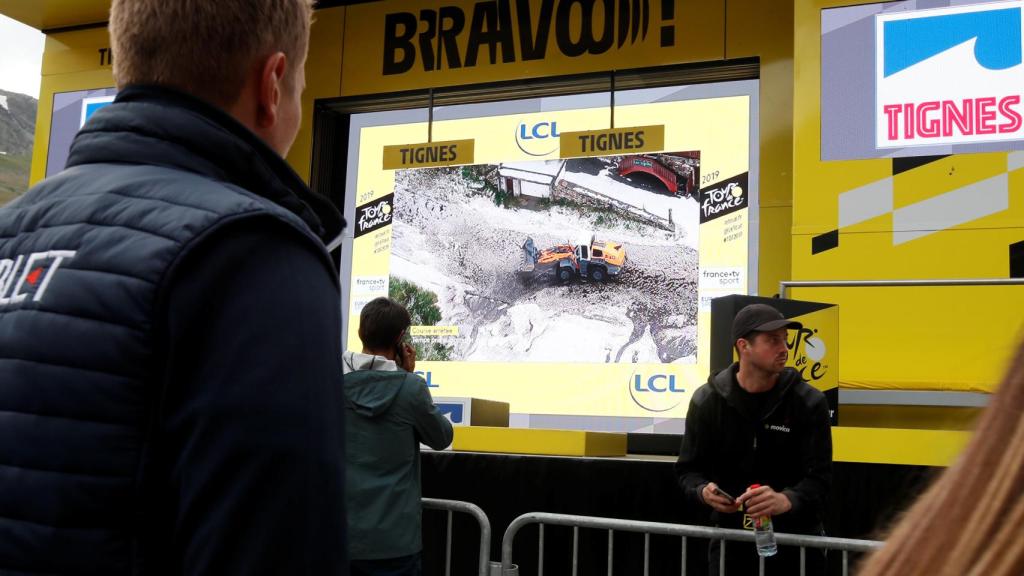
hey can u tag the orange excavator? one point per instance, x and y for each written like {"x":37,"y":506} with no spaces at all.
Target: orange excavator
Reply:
{"x":590,"y":258}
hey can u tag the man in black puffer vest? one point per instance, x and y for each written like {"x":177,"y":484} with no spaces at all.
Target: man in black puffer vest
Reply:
{"x":170,"y":322}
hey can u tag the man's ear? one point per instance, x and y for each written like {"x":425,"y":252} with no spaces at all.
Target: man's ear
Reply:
{"x":272,"y":70}
{"x":741,"y":344}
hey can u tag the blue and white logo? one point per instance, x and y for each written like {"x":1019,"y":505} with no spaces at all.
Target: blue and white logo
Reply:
{"x":949,"y":75}
{"x":452,"y":411}
{"x":91,"y":105}
{"x":656,"y":392}
{"x":538,"y":138}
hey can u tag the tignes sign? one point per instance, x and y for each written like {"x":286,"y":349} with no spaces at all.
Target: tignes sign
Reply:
{"x":421,"y":43}
{"x":949,"y":75}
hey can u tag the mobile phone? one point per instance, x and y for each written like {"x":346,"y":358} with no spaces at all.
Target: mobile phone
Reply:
{"x":719,"y":492}
{"x":400,"y":348}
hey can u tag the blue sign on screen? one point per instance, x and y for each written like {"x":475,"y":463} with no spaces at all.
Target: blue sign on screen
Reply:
{"x":453,"y":411}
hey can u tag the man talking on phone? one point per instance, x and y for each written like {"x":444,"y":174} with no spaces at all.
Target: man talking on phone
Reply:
{"x":388,"y":413}
{"x":758,"y":422}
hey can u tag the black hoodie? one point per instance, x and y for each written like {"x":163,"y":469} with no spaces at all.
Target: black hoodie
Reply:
{"x":787,"y":446}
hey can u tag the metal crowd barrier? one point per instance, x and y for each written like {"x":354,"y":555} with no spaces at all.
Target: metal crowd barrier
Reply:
{"x":682,"y":530}
{"x":452,"y":506}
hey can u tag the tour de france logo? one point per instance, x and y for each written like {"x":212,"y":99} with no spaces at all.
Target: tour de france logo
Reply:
{"x":723,"y":198}
{"x":808,"y":350}
{"x":374,"y":215}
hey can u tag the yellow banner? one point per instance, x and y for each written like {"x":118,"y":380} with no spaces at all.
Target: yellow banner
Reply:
{"x":391,"y":46}
{"x":428,"y":154}
{"x":615,"y":389}
{"x":613,"y":142}
{"x":429,"y":331}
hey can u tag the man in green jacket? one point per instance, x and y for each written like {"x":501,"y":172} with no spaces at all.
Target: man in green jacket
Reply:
{"x":389,"y":412}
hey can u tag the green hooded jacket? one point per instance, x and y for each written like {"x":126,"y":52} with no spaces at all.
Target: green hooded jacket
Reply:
{"x":388,"y":414}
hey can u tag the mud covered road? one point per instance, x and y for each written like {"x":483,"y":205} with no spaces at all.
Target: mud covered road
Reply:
{"x":451,"y":239}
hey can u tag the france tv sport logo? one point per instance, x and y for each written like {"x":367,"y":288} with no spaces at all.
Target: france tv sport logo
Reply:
{"x":949,"y":75}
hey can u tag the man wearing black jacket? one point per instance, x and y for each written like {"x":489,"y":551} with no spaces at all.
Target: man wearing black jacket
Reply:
{"x":758,"y":422}
{"x":170,"y":323}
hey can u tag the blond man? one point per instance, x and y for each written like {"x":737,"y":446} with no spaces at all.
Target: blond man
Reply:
{"x":170,"y":373}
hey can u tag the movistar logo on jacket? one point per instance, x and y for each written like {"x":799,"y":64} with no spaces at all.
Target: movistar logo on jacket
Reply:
{"x":29,"y":275}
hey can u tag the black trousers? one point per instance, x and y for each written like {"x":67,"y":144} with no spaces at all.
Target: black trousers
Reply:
{"x":401,"y":566}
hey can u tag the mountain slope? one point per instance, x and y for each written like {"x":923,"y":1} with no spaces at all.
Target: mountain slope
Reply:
{"x":17,"y":131}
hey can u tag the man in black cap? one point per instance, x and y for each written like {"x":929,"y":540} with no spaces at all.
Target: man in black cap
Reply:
{"x":758,"y":422}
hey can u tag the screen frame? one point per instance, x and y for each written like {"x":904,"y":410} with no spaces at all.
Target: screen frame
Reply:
{"x":335,"y":120}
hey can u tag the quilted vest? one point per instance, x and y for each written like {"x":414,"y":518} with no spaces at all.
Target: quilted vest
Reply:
{"x":84,"y":257}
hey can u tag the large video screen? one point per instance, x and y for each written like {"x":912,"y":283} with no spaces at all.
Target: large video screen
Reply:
{"x":575,"y":289}
{"x":921,"y":78}
{"x":71,"y":110}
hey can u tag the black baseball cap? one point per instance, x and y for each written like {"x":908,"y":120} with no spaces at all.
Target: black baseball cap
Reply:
{"x":760,"y":318}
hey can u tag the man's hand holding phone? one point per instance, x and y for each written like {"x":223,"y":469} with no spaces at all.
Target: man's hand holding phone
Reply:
{"x":406,"y":357}
{"x":718,"y":499}
{"x":405,"y":354}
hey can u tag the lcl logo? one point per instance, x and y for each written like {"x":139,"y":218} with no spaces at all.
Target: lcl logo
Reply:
{"x":428,"y":376}
{"x":536,"y":135}
{"x":656,"y":392}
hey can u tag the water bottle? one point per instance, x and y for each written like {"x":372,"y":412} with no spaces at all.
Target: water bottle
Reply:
{"x":764,"y":535}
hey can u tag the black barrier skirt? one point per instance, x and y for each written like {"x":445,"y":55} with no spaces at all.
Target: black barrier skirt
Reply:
{"x":865,"y":497}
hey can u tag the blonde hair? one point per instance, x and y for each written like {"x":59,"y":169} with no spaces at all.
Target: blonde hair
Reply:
{"x":969,"y":521}
{"x":205,"y":47}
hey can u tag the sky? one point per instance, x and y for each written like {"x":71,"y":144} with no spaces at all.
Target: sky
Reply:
{"x":21,"y":57}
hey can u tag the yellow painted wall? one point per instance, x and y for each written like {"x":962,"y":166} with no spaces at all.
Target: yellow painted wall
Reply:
{"x":323,"y":80}
{"x":765,"y":30}
{"x":912,"y":338}
{"x":50,"y":14}
{"x":898,"y":446}
{"x":71,"y":61}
